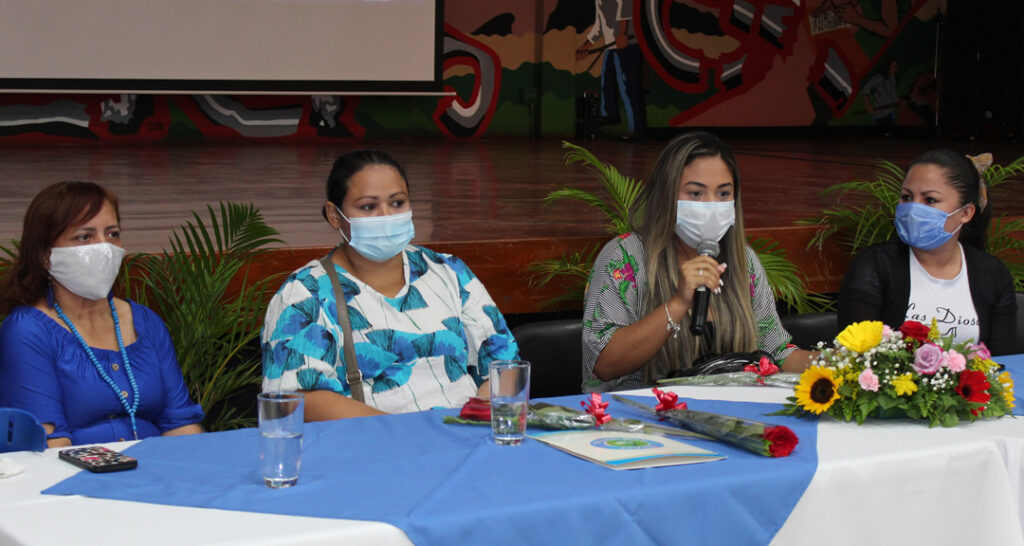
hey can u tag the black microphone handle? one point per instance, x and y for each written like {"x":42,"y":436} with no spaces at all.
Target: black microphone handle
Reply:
{"x":699,"y":319}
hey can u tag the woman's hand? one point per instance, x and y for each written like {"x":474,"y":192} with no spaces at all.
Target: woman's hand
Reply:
{"x":55,"y":442}
{"x":484,"y":390}
{"x":194,"y":428}
{"x":323,"y":405}
{"x":697,"y":272}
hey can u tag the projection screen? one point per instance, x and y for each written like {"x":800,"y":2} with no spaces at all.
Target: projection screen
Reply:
{"x":237,"y":46}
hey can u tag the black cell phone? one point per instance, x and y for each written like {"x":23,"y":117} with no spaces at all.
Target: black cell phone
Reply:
{"x":98,"y":459}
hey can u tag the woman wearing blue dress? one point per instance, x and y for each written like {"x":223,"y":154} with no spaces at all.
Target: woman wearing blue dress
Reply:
{"x":423,"y":327}
{"x":91,"y":367}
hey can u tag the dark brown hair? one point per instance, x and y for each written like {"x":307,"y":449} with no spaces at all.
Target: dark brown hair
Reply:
{"x":53,"y":211}
{"x":347,"y":165}
{"x":963,"y":176}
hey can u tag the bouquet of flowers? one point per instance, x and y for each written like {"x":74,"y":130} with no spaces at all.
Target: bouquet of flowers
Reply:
{"x":873,"y":371}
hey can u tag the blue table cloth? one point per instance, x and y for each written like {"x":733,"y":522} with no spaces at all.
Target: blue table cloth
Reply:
{"x":1015,"y":365}
{"x":449,"y":484}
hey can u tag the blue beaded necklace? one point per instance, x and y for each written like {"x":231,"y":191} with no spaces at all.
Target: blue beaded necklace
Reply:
{"x":130,"y":409}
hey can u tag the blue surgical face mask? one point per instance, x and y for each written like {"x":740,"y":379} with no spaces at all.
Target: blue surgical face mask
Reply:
{"x":380,"y":238}
{"x":923,"y":227}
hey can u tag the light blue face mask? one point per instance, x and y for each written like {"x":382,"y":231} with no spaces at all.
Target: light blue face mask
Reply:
{"x":380,"y":238}
{"x":923,"y":227}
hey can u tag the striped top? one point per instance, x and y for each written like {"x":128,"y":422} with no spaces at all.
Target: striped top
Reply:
{"x":617,"y":287}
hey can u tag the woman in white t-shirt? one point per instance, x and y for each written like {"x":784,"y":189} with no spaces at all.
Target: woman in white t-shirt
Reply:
{"x":938,"y":268}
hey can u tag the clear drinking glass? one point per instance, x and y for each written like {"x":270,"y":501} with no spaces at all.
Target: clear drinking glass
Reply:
{"x":510,"y":393}
{"x":281,"y":421}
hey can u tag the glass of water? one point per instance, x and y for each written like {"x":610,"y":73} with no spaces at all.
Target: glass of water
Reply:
{"x":281,"y":420}
{"x":510,"y":393}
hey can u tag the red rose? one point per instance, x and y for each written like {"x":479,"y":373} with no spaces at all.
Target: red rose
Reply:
{"x":476,"y":409}
{"x":781,"y":440}
{"x":974,"y":387}
{"x":915,"y":330}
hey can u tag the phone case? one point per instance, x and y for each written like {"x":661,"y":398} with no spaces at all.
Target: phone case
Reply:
{"x":98,"y":459}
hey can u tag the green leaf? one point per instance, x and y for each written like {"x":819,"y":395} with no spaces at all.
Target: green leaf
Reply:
{"x":787,"y":281}
{"x":214,"y":311}
{"x":619,"y":192}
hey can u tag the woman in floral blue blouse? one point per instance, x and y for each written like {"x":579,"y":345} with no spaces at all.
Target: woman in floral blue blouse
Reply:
{"x":638,"y":304}
{"x":424,"y":327}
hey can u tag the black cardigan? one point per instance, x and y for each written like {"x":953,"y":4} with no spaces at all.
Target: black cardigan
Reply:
{"x":877,"y":287}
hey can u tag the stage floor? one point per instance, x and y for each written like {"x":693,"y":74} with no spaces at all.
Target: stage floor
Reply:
{"x":487,"y":190}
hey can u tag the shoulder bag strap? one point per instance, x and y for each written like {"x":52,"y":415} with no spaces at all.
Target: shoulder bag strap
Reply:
{"x":352,"y":373}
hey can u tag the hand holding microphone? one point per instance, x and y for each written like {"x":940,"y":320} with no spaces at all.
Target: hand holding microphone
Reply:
{"x":705,"y":281}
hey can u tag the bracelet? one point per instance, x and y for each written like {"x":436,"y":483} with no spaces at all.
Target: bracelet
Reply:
{"x":672,"y":325}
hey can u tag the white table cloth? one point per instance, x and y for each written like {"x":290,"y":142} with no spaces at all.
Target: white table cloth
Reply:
{"x":892,"y":482}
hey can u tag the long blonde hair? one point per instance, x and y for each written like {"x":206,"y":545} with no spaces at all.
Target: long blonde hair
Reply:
{"x":654,"y":220}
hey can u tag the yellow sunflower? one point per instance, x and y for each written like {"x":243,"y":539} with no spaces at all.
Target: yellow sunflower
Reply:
{"x":904,"y":384}
{"x":1007,"y":382}
{"x":861,"y":336}
{"x":818,"y":389}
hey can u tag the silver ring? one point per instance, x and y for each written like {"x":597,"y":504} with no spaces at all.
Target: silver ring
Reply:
{"x":700,"y":272}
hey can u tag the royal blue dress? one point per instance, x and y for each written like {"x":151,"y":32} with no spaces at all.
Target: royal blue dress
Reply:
{"x":44,"y":370}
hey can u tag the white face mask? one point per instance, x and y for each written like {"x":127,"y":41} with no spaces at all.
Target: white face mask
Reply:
{"x":698,"y":221}
{"x":380,"y":238}
{"x":88,"y":271}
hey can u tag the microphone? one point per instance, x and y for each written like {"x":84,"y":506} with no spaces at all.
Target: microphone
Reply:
{"x":701,"y":296}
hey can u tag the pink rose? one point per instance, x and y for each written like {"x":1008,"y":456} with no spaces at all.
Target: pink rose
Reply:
{"x":979,"y":351}
{"x":886,"y":331}
{"x":927,"y":359}
{"x":868,"y":380}
{"x":954,"y":361}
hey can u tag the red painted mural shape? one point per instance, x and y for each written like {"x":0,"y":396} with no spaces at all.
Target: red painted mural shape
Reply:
{"x":763,"y":29}
{"x":468,"y":117}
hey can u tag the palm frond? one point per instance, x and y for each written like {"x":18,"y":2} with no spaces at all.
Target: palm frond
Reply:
{"x":214,"y":312}
{"x":575,"y":266}
{"x":863,"y":210}
{"x":619,"y":191}
{"x":1006,"y":243}
{"x":998,"y":174}
{"x":584,"y":197}
{"x":8,"y":254}
{"x":787,"y":281}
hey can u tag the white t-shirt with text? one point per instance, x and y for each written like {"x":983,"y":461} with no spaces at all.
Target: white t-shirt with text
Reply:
{"x":947,"y":300}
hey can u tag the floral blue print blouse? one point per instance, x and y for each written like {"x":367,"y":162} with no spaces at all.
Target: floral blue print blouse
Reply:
{"x":429,"y":346}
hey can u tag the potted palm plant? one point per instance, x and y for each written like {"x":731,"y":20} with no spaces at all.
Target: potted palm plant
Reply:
{"x":214,"y":310}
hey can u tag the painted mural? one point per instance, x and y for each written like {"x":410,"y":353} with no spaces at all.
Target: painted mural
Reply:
{"x":559,"y":67}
